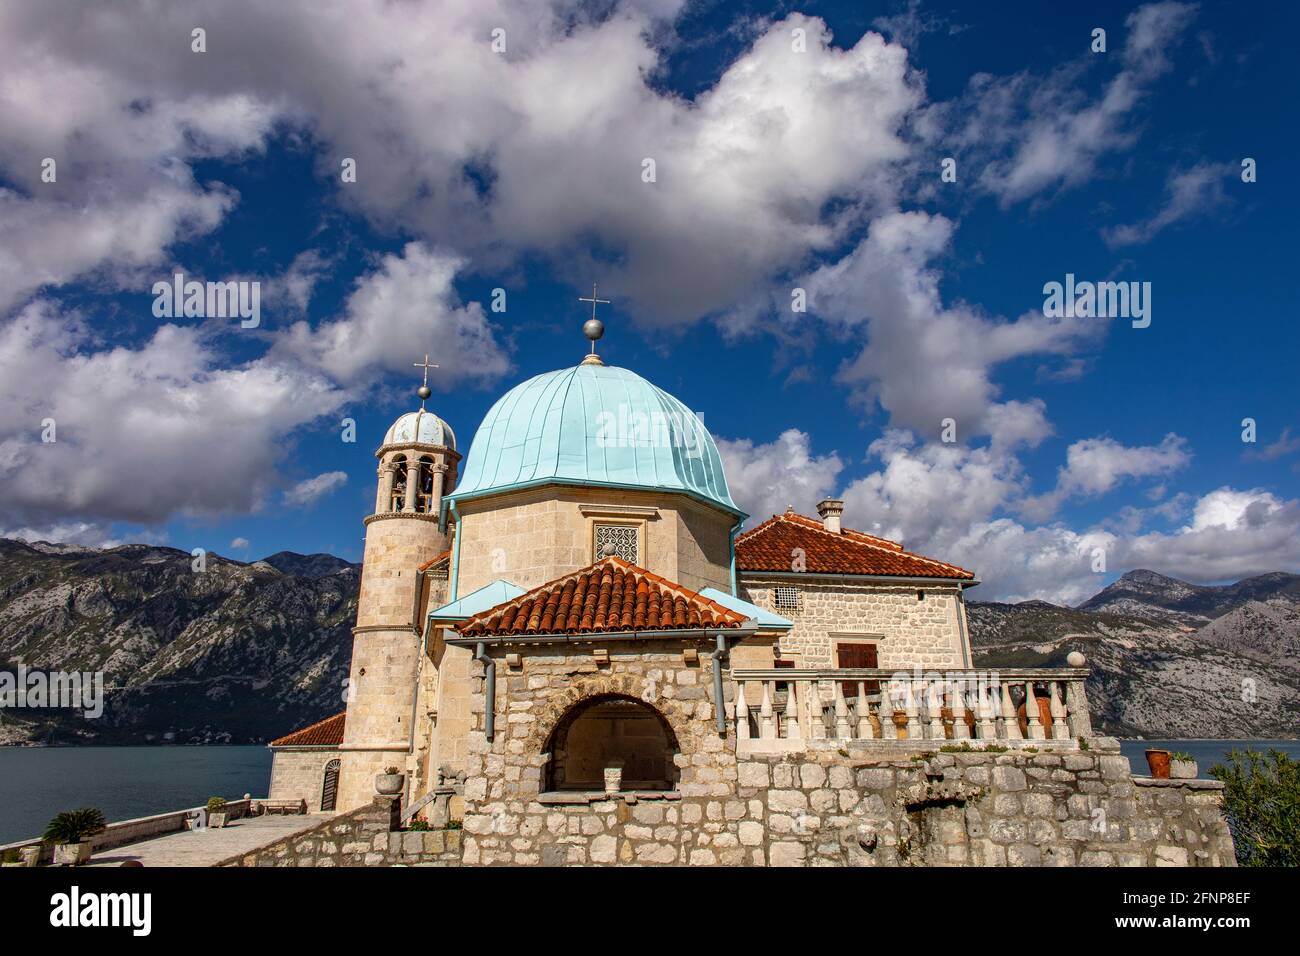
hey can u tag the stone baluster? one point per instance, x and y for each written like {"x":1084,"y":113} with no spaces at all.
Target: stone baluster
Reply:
{"x":988,"y":728}
{"x":841,"y":712}
{"x":742,"y":712}
{"x":911,"y":709}
{"x":934,"y":709}
{"x":958,"y":694}
{"x":792,"y":713}
{"x":767,"y":726}
{"x":1010,"y":726}
{"x":1033,"y":722}
{"x":1076,"y":703}
{"x":888,"y":704}
{"x":816,"y":725}
{"x":1060,"y":729}
{"x":865,"y":730}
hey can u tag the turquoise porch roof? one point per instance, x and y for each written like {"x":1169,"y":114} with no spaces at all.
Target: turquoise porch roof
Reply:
{"x":767,"y":621}
{"x":488,"y":596}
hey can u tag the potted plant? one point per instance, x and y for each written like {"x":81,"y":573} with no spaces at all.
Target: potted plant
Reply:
{"x":70,"y":832}
{"x":10,"y":857}
{"x":1182,"y":766}
{"x":32,"y":854}
{"x":1158,"y":761}
{"x":389,"y":783}
{"x":217,"y":812}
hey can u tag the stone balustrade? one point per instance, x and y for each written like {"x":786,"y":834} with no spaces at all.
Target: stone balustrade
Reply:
{"x":789,"y":710}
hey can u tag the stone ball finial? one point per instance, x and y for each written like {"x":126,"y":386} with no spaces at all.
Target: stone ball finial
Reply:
{"x":593,"y":329}
{"x":424,"y":391}
{"x":1075,"y":659}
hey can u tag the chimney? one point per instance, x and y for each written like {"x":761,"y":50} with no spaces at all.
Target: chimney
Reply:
{"x":830,"y":510}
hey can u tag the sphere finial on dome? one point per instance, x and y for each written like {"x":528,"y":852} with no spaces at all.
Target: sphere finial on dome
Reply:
{"x":593,"y":328}
{"x":424,"y":391}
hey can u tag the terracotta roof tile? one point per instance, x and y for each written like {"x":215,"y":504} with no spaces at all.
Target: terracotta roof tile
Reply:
{"x":771,"y":547}
{"x":610,"y":595}
{"x":444,"y":558}
{"x":323,"y":733}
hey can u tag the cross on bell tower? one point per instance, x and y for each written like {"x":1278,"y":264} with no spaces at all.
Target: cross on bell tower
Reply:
{"x":593,"y":328}
{"x":424,"y":391}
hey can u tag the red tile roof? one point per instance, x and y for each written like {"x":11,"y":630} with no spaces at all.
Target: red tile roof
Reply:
{"x":772,"y":546}
{"x":323,"y":733}
{"x":444,"y":558}
{"x":610,"y":595}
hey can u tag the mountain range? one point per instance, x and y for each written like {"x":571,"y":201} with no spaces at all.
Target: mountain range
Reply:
{"x":244,"y":652}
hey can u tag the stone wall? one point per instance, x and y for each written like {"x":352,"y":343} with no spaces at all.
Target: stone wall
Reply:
{"x":366,"y":836}
{"x":300,"y":774}
{"x":536,"y":535}
{"x":909,"y":633}
{"x":1018,"y":808}
{"x":509,"y":821}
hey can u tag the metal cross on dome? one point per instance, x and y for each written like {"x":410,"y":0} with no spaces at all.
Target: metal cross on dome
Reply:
{"x":424,"y":391}
{"x":593,"y":328}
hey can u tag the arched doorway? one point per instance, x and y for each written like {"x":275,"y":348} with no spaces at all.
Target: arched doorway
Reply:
{"x":329,"y":791}
{"x":600,"y":731}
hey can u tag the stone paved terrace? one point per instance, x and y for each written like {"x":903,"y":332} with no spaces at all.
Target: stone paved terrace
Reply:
{"x":207,"y":847}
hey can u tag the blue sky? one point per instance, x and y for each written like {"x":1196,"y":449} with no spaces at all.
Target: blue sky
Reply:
{"x":796,"y":147}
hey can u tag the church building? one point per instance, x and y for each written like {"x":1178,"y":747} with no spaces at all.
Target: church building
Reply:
{"x":568,"y":651}
{"x":590,"y":534}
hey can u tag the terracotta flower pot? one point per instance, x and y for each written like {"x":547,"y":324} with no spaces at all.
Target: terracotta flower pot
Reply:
{"x":1044,"y":715}
{"x":1158,"y":762}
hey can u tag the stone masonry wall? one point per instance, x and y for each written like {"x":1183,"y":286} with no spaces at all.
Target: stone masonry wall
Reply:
{"x":366,"y":836}
{"x":508,"y":820}
{"x":912,"y":633}
{"x":1018,"y":808}
{"x":300,"y":775}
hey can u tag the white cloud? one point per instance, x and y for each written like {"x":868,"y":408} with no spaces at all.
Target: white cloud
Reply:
{"x":1095,"y":466}
{"x":142,"y":433}
{"x":1028,"y":134}
{"x":239,"y":544}
{"x":926,"y":360}
{"x":1188,"y":193}
{"x":765,"y":479}
{"x":404,"y":308}
{"x":303,"y":494}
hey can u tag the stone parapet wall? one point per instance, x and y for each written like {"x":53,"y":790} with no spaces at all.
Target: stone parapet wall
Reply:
{"x":366,"y":836}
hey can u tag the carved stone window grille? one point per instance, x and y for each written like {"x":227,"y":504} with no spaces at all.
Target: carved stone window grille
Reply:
{"x":617,"y":539}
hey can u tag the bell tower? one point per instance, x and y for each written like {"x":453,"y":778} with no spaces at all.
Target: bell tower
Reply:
{"x":417,"y":466}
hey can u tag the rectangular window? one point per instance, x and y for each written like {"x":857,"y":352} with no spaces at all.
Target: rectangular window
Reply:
{"x":617,"y":539}
{"x":788,"y":599}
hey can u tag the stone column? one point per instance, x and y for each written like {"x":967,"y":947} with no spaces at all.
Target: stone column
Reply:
{"x":439,"y":480}
{"x":412,"y":484}
{"x":384,"y":501}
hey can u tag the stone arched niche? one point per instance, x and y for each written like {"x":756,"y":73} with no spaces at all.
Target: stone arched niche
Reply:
{"x":611,"y":730}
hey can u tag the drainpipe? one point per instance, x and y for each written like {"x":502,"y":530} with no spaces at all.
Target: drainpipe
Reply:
{"x":719,"y":705}
{"x":455,"y":563}
{"x":490,"y":689}
{"x":731,"y":549}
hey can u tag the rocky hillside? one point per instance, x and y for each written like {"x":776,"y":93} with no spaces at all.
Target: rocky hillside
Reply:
{"x":245,"y":652}
{"x":1169,"y":659}
{"x":236,"y":653}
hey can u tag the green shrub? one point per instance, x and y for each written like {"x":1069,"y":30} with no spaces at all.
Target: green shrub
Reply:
{"x":74,"y":826}
{"x":216,"y":804}
{"x":1261,"y":799}
{"x":419,"y":823}
{"x":11,"y":856}
{"x":1180,"y":755}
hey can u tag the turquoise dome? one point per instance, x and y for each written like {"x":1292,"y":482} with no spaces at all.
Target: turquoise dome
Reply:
{"x":593,"y":425}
